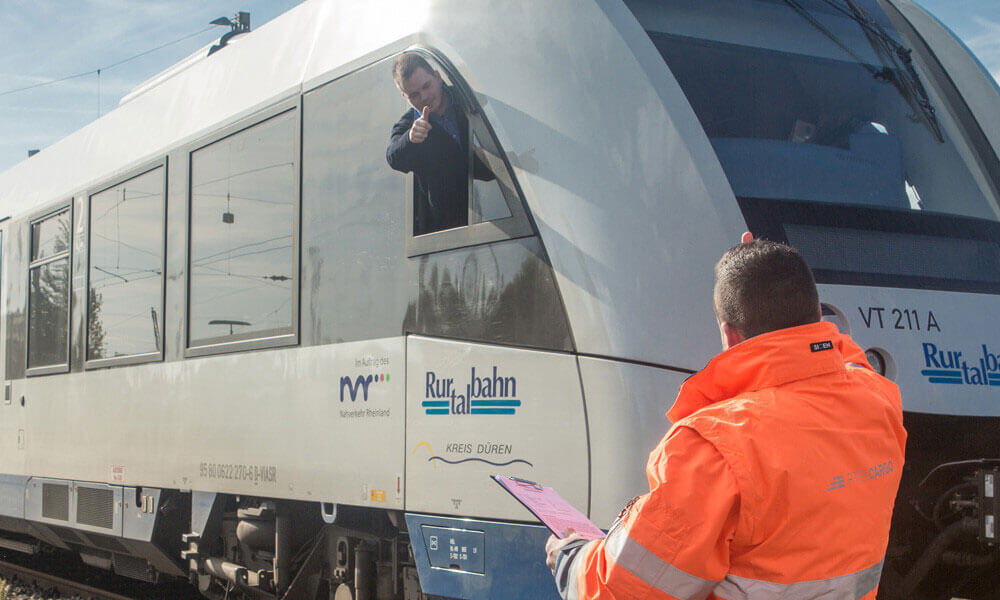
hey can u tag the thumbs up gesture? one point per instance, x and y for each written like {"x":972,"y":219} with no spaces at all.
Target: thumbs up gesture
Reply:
{"x":421,"y":127}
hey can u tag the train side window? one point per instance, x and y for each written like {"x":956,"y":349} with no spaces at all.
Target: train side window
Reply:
{"x":461,"y":189}
{"x":244,"y":233}
{"x":125,"y":277}
{"x":48,"y":294}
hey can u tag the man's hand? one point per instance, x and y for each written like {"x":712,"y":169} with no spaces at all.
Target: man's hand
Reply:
{"x":421,"y":127}
{"x":553,"y":545}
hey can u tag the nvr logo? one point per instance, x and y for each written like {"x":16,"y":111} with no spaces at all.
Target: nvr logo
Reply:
{"x":484,"y":395}
{"x":361,"y":382}
{"x":948,"y":366}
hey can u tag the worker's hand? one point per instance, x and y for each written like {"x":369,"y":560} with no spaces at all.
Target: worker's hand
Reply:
{"x":553,"y":545}
{"x":747,"y":237}
{"x":421,"y":127}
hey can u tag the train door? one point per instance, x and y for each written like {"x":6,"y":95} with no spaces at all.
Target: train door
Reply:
{"x":491,"y":384}
{"x":13,"y":441}
{"x":3,"y":319}
{"x":11,"y":427}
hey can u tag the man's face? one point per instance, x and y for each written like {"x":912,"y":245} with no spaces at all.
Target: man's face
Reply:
{"x":422,"y":89}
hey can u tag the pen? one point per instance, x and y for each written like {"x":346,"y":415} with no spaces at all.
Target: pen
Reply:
{"x":526,"y":482}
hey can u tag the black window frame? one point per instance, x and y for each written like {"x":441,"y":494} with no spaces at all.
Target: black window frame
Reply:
{"x":67,"y":255}
{"x":251,"y":341}
{"x":517,"y":225}
{"x":145,"y":357}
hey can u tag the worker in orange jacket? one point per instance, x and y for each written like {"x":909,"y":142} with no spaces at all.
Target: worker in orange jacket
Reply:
{"x":778,"y":476}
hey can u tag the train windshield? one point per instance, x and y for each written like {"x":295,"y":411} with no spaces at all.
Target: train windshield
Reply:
{"x":840,"y":134}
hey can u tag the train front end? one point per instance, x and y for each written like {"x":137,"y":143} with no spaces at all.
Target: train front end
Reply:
{"x":862,"y":133}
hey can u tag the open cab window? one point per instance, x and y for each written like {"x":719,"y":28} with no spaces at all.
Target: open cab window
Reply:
{"x":460,"y":189}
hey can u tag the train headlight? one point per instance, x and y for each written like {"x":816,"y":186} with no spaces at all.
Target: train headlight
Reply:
{"x":876,"y":360}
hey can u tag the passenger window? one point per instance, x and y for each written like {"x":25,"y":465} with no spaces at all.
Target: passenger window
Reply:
{"x":125,"y":293}
{"x":462,"y":189}
{"x":243,"y":269}
{"x":48,"y":292}
{"x":50,"y":236}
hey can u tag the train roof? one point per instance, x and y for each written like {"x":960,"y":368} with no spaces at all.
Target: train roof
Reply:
{"x":198,"y":94}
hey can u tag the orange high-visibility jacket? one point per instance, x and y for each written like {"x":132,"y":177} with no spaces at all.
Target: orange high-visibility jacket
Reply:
{"x":777,"y":479}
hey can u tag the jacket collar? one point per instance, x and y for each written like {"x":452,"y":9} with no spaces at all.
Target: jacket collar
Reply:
{"x":768,"y":360}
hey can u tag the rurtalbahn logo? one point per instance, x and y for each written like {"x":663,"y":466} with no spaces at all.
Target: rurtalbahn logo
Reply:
{"x":949,"y":366}
{"x":490,"y":394}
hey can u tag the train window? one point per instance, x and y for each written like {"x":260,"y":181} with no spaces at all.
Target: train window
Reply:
{"x":461,"y":189}
{"x":125,"y":285}
{"x":244,"y":227}
{"x":892,"y":160}
{"x":48,"y":237}
{"x":48,"y":294}
{"x":759,"y":80}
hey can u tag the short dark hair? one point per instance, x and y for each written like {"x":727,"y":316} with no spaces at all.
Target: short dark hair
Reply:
{"x":405,"y":64}
{"x":761,"y":286}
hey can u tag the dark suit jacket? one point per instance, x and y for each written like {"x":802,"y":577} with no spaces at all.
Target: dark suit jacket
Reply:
{"x":441,"y":172}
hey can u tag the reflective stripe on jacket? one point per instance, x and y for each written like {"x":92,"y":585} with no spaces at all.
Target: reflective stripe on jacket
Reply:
{"x":777,"y":479}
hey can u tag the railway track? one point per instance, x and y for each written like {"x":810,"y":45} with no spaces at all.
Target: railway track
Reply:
{"x":46,"y":581}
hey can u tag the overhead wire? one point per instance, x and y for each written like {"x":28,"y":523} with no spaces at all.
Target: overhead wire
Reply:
{"x":105,"y":68}
{"x":201,"y":259}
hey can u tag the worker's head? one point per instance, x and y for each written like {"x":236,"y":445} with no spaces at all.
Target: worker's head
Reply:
{"x":419,"y":83}
{"x":761,"y":286}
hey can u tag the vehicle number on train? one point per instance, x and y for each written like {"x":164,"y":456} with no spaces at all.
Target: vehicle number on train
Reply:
{"x":239,"y":472}
{"x":880,"y":317}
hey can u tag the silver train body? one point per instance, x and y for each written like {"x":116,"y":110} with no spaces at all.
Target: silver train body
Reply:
{"x":225,"y":356}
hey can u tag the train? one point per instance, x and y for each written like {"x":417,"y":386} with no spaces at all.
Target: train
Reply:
{"x":227,"y":357}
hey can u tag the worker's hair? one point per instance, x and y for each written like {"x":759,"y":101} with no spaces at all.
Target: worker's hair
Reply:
{"x":405,"y":64}
{"x":762,"y":286}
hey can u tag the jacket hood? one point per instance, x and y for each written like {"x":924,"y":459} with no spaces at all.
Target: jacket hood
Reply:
{"x":768,"y":360}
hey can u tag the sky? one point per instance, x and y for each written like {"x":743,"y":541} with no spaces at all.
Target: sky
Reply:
{"x":45,"y":40}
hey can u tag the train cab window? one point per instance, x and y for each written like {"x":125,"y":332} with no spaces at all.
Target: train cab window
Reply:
{"x":48,"y":294}
{"x":244,"y":226}
{"x":891,"y":165}
{"x":125,"y":279}
{"x":461,"y":189}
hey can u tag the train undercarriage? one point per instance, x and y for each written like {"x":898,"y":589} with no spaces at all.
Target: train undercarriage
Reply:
{"x":944,"y":543}
{"x":233,"y":545}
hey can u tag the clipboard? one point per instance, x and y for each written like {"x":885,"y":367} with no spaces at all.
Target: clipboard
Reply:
{"x":550,"y":508}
